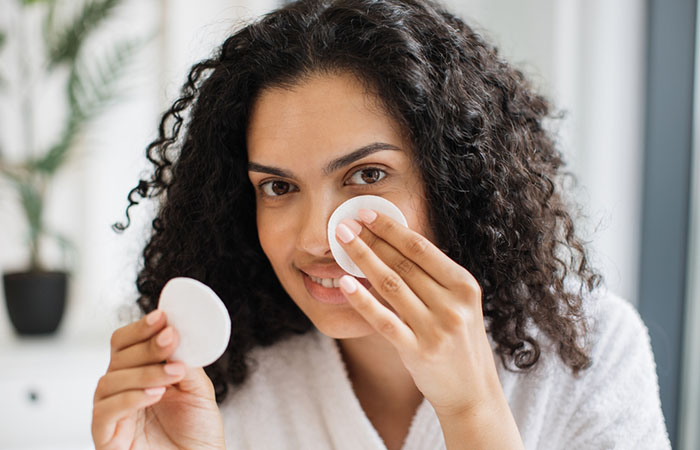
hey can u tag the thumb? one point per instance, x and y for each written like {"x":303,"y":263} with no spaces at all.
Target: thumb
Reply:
{"x":197,"y":382}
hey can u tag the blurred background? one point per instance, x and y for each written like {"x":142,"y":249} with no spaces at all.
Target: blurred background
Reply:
{"x":623,"y":73}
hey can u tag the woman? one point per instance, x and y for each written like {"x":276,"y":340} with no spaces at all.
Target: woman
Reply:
{"x":480,"y":324}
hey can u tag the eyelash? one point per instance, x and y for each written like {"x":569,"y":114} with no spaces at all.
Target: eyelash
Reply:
{"x":262,"y":193}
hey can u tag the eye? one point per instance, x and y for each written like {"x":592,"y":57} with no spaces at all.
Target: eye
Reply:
{"x":369,"y":175}
{"x":275,"y":188}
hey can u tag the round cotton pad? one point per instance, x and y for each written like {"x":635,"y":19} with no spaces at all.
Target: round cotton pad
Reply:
{"x":348,"y":210}
{"x":200,"y":318}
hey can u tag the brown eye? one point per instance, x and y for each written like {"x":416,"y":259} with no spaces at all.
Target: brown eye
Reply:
{"x":275,"y":188}
{"x":368,"y":176}
{"x":279,"y":187}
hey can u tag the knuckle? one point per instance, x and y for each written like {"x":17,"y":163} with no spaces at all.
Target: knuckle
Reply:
{"x":472,"y":288}
{"x":390,"y":283}
{"x":387,"y":327}
{"x":102,"y":386}
{"x":417,"y":246}
{"x":114,"y":340}
{"x":363,"y":305}
{"x":388,"y":227}
{"x":371,"y":240}
{"x":114,"y":362}
{"x":467,"y":283}
{"x":455,"y":319}
{"x":430,"y":349}
{"x":403,"y":267}
{"x":477,"y":289}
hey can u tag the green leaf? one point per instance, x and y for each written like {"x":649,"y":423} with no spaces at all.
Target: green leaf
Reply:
{"x":64,"y":45}
{"x":32,"y":204}
{"x":90,"y":90}
{"x":57,"y":155}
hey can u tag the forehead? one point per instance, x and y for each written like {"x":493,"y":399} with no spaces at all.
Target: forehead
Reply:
{"x":322,"y":114}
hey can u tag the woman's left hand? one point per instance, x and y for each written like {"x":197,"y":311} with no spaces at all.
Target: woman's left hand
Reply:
{"x":438,"y":325}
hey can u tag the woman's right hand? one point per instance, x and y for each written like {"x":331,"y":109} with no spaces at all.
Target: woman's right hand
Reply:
{"x":141,"y":403}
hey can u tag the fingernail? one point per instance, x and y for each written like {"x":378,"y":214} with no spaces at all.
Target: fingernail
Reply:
{"x":153,"y":316}
{"x":348,"y":284}
{"x":344,"y":233}
{"x":165,"y":337}
{"x":155,"y":391}
{"x":174,"y":369}
{"x":354,"y":225}
{"x":367,"y":215}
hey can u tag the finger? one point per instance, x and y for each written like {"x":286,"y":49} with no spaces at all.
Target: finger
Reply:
{"x":198,"y":383}
{"x":385,"y":281}
{"x":108,"y":411}
{"x":123,"y":433}
{"x":377,"y":315}
{"x":138,"y":331}
{"x":418,"y":249}
{"x":154,"y":375}
{"x":156,"y":349}
{"x":426,"y":288}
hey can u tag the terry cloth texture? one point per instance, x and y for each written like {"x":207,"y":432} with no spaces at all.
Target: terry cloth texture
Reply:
{"x":300,"y":397}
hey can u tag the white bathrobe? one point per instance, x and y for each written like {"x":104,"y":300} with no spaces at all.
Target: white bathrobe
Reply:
{"x":300,"y":396}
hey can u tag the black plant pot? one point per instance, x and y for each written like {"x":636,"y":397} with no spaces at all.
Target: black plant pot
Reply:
{"x":35,"y":300}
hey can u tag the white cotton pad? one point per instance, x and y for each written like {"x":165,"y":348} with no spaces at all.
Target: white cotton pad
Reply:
{"x":200,"y":318}
{"x":348,"y":210}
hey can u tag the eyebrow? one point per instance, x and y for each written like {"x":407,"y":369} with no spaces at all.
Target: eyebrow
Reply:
{"x":332,"y":166}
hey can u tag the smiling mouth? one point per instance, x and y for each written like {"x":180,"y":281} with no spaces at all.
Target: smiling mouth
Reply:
{"x":332,"y":283}
{"x":326,"y":282}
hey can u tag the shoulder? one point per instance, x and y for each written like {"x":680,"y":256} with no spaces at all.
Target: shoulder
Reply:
{"x":614,"y":323}
{"x":615,"y":402}
{"x":614,"y":327}
{"x":620,"y":346}
{"x":619,"y":394}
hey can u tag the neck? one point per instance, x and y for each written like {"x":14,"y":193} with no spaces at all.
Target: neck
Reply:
{"x":377,"y":373}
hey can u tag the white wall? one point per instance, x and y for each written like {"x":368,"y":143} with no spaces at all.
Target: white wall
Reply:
{"x":587,"y":56}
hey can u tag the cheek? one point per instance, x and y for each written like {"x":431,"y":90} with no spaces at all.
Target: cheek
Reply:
{"x":421,"y":223}
{"x":419,"y":220}
{"x":415,"y":209}
{"x":274,"y":237}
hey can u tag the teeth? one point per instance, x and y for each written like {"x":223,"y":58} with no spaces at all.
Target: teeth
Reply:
{"x":326,"y":282}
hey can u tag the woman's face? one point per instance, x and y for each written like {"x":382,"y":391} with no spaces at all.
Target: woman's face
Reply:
{"x":310,"y":148}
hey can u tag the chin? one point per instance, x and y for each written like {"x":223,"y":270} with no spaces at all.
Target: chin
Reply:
{"x":343,"y":327}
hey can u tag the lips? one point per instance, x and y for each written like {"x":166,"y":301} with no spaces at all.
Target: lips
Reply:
{"x":324,"y":294}
{"x":333,"y":271}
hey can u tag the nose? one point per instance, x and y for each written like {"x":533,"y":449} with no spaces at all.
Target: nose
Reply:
{"x":313,"y":237}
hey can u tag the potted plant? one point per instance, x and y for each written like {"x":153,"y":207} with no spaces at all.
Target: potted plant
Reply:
{"x":36,"y":295}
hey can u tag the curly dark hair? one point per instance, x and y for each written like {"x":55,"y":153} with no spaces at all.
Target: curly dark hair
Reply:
{"x":491,"y":172}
